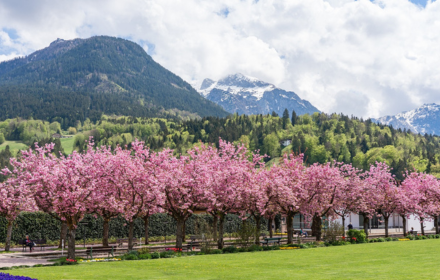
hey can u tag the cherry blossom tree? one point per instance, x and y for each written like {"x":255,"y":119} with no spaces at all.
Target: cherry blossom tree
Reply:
{"x":287,"y":190}
{"x":136,"y":178}
{"x":383,"y":184}
{"x":322,"y":184}
{"x":350,"y":192}
{"x":185,"y":180}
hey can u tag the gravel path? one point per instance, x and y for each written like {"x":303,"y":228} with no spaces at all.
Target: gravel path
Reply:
{"x":8,"y":260}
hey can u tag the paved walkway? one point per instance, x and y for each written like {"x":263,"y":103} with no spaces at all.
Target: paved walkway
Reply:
{"x":16,"y":259}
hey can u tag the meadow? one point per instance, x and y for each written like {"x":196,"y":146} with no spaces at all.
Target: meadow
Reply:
{"x":388,"y":260}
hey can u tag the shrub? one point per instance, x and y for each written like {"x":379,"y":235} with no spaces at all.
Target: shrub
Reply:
{"x":254,"y":248}
{"x":167,"y":254}
{"x":143,"y":251}
{"x":333,"y":231}
{"x":216,"y":251}
{"x":145,"y":256}
{"x":410,"y":237}
{"x":230,"y":249}
{"x":134,"y":252}
{"x":358,"y":234}
{"x":242,"y":249}
{"x":417,"y":237}
{"x":395,"y":239}
{"x":388,"y":239}
{"x":437,"y":236}
{"x":155,"y":255}
{"x":380,"y":239}
{"x":130,"y":257}
{"x":423,"y":237}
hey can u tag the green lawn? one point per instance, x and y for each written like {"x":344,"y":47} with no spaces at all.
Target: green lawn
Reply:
{"x":67,"y":144}
{"x":14,"y":146}
{"x":390,"y":260}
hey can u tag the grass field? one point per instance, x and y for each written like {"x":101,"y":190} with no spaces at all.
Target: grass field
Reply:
{"x":67,"y":144}
{"x":389,"y":260}
{"x":14,"y":146}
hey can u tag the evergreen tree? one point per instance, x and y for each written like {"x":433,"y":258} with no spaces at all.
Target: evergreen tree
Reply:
{"x":285,"y":118}
{"x":293,"y":117}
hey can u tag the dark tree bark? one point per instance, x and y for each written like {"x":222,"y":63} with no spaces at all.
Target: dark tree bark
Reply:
{"x":289,"y":223}
{"x":257,"y":229}
{"x":214,"y":227}
{"x":179,"y":237}
{"x":184,"y":232}
{"x":220,"y":242}
{"x":71,"y":246}
{"x":9,"y":235}
{"x":63,"y":235}
{"x":105,"y":230}
{"x":343,"y":225}
{"x":270,"y":227}
{"x":366,"y":223}
{"x":130,"y":235}
{"x":436,"y":224}
{"x":404,"y":224}
{"x":146,"y":219}
{"x":386,"y":218}
{"x":421,"y":226}
{"x":316,"y":226}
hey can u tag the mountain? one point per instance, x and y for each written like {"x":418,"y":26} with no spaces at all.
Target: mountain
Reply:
{"x":425,"y":119}
{"x":80,"y":78}
{"x":247,"y":95}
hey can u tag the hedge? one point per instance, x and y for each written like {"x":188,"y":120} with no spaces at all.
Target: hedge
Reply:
{"x":40,"y":225}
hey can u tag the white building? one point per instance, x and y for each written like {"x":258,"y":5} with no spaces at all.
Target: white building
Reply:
{"x":376,"y":225}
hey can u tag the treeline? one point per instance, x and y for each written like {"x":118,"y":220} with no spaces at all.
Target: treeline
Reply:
{"x":321,"y":137}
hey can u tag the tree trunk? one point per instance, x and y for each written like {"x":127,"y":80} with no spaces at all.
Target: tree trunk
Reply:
{"x":404,"y":224}
{"x":270,"y":227}
{"x":421,"y":226}
{"x":316,"y":226}
{"x":366,"y":223}
{"x":343,"y":225}
{"x":179,"y":237}
{"x":214,"y":227}
{"x":9,"y":235}
{"x":63,"y":234}
{"x":220,"y":242}
{"x":71,"y":246}
{"x":289,"y":223}
{"x":436,"y":224}
{"x":257,"y":229}
{"x":146,"y":218}
{"x":386,"y":218}
{"x":184,"y":232}
{"x":130,"y":235}
{"x":105,"y":227}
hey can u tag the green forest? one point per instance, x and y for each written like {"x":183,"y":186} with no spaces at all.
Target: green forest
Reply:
{"x":321,"y":137}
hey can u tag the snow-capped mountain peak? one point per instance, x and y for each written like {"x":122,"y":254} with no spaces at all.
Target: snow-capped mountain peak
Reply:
{"x":424,"y":119}
{"x":248,"y":95}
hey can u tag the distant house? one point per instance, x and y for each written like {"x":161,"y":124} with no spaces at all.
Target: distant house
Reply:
{"x":285,"y":142}
{"x":57,"y":136}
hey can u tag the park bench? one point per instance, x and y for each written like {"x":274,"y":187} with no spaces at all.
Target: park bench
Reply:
{"x":193,"y":241}
{"x":100,"y":250}
{"x":23,"y":244}
{"x":271,"y":240}
{"x":121,"y":242}
{"x":41,"y":243}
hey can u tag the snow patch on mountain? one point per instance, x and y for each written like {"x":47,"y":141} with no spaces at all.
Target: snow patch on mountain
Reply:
{"x":425,"y":119}
{"x":248,"y":95}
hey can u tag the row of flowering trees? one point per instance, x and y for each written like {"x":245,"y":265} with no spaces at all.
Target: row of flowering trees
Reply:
{"x":139,"y":182}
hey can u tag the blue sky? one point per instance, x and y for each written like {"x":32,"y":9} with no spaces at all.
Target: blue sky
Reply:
{"x":420,"y":2}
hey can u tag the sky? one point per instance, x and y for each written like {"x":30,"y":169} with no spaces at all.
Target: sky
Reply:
{"x":360,"y":57}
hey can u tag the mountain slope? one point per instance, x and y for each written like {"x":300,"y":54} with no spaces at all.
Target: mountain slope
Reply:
{"x":110,"y":75}
{"x":425,"y":119}
{"x":247,"y":95}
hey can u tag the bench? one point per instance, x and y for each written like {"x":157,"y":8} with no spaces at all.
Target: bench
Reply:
{"x":413,"y":232}
{"x":41,"y":243}
{"x":100,"y":250}
{"x":271,"y":240}
{"x":193,"y":242}
{"x":121,"y":242}
{"x":23,"y":244}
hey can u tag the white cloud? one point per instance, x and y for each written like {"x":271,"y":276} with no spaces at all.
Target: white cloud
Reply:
{"x":359,"y":57}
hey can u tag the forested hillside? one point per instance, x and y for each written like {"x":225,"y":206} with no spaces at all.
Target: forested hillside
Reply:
{"x":84,"y":78}
{"x":320,"y":136}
